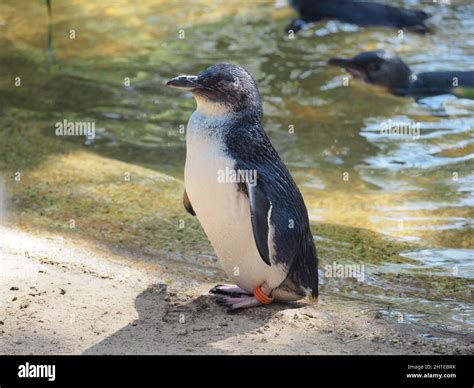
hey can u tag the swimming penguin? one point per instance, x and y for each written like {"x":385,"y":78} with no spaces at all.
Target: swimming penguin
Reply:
{"x":384,"y":69}
{"x":362,"y":13}
{"x":243,"y":195}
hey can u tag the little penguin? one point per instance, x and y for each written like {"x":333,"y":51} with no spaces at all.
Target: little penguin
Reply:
{"x":388,"y":70}
{"x":243,"y":194}
{"x":362,"y":13}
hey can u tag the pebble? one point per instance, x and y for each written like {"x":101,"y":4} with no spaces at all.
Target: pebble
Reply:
{"x":24,"y":305}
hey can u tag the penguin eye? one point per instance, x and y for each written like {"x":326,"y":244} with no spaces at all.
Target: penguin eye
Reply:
{"x":228,"y":83}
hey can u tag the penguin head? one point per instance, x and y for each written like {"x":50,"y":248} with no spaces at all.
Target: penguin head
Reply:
{"x":376,"y":67}
{"x":222,"y":87}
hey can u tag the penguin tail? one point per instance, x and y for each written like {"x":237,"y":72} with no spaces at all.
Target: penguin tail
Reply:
{"x":314,"y":294}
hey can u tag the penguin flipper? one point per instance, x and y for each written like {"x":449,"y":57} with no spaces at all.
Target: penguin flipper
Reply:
{"x":260,"y":208}
{"x":187,"y":204}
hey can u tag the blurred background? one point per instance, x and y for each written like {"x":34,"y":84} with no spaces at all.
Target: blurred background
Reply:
{"x":405,"y":210}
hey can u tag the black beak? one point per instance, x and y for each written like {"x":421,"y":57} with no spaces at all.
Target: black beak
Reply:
{"x":350,"y":66}
{"x":184,"y":82}
{"x":341,"y":62}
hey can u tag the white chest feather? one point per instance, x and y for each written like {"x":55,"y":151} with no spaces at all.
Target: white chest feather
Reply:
{"x":222,"y":210}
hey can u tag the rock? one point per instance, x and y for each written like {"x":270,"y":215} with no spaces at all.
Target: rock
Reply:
{"x":14,"y":288}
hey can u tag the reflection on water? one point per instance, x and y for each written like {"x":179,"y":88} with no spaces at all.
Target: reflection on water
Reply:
{"x":458,"y":262}
{"x":418,"y":188}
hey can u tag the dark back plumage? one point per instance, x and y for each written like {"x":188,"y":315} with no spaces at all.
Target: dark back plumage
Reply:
{"x":250,"y":146}
{"x":362,"y":13}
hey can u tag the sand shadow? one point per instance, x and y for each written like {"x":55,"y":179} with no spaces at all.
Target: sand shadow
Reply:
{"x":171,"y":324}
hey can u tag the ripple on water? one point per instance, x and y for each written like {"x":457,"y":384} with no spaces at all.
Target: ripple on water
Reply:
{"x":457,"y":262}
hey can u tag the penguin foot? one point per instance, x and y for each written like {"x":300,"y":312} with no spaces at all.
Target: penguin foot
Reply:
{"x":228,"y":289}
{"x":237,"y":303}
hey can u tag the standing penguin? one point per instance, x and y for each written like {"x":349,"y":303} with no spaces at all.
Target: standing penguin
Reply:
{"x":243,"y":195}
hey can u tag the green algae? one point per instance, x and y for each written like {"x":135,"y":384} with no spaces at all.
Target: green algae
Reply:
{"x":121,"y":203}
{"x":357,"y":245}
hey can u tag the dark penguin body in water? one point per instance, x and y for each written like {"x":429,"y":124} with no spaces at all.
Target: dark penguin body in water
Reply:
{"x":243,"y":195}
{"x":389,"y":71}
{"x":361,"y":13}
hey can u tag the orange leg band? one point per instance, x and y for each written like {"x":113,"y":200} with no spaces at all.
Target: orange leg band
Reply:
{"x":261,"y":297}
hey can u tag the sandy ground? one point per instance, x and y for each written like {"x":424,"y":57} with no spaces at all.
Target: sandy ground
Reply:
{"x":62,"y":296}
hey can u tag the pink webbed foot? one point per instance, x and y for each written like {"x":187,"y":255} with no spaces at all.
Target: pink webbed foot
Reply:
{"x":229,"y":289}
{"x":242,"y":302}
{"x":236,"y":298}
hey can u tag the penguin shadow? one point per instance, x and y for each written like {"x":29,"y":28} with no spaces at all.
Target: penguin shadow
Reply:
{"x":168,"y":323}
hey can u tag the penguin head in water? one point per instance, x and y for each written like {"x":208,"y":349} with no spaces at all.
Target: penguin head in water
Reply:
{"x":222,"y":88}
{"x":377,"y":67}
